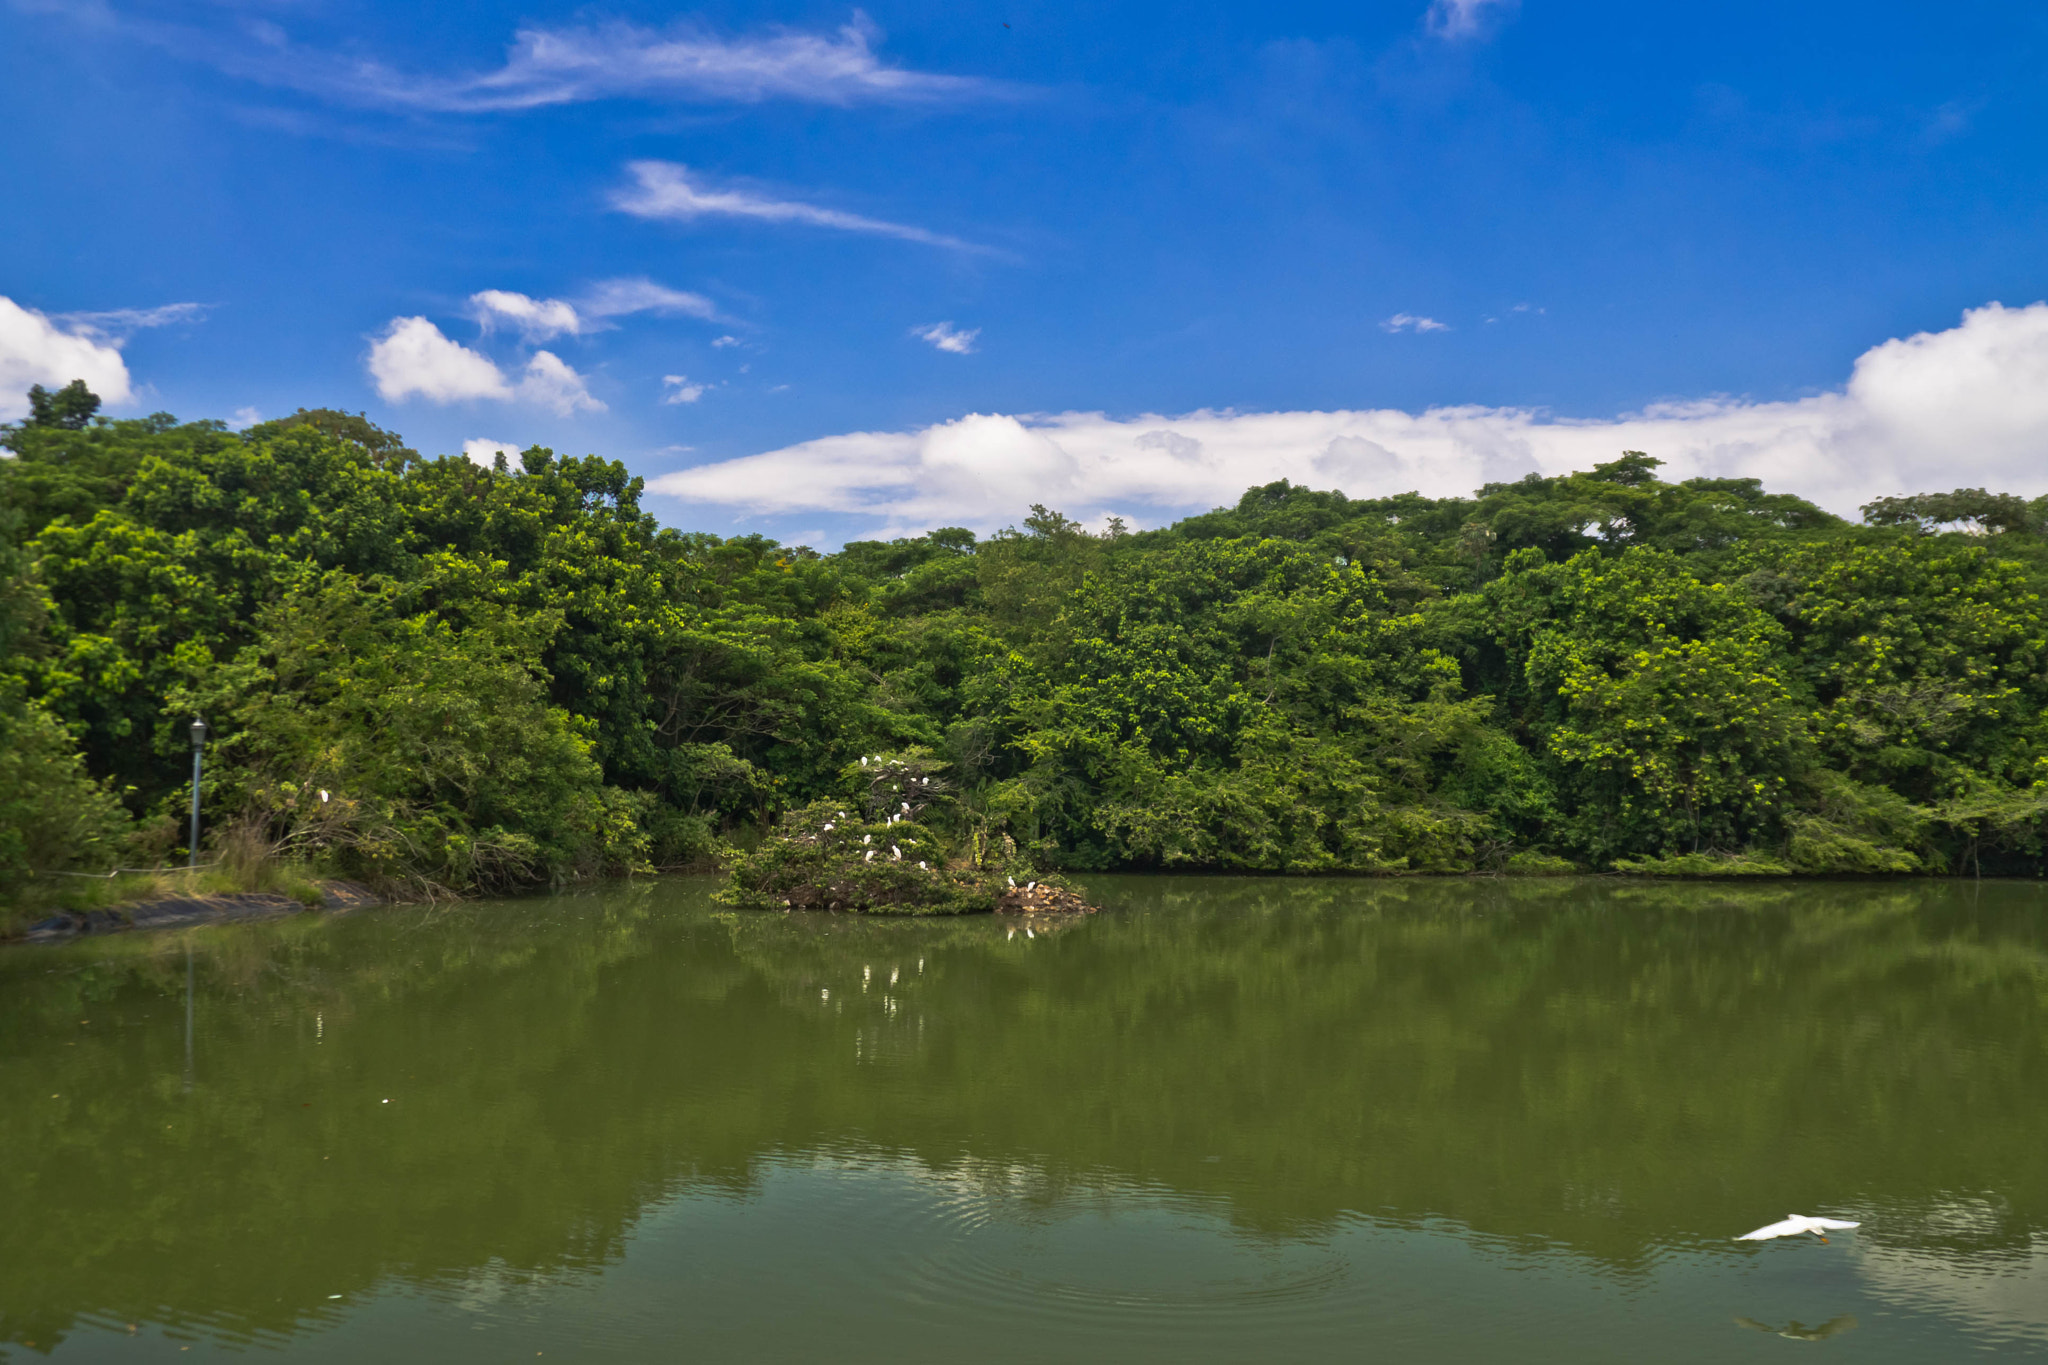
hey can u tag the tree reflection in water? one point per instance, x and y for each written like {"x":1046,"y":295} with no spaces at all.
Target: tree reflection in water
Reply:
{"x":1607,"y":1071}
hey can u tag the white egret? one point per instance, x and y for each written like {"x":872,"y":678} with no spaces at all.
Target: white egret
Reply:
{"x":1794,"y":1225}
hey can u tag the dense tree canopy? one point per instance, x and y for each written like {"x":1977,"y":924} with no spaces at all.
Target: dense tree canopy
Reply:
{"x":513,"y":674}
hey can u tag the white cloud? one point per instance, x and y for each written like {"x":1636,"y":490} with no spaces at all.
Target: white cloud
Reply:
{"x":37,"y":349}
{"x":680,"y":389}
{"x":538,"y":320}
{"x":485,"y":452}
{"x":616,"y":298}
{"x":534,"y":319}
{"x":1964,"y":406}
{"x":118,"y":324}
{"x":1409,"y":322}
{"x":665,"y":191}
{"x":1464,"y":18}
{"x":413,"y":357}
{"x":722,"y":342}
{"x":552,"y":383}
{"x":245,"y":417}
{"x":945,"y":337}
{"x":571,"y":65}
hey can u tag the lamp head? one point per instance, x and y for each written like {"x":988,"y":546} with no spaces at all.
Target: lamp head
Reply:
{"x":198,"y":732}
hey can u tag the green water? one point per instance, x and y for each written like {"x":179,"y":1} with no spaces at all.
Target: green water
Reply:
{"x":1225,"y":1120}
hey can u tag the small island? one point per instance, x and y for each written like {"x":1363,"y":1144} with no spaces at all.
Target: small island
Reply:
{"x":897,"y":846}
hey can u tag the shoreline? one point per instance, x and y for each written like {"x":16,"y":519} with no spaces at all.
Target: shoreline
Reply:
{"x":173,"y":912}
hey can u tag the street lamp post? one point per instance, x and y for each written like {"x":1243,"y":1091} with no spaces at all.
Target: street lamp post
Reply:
{"x":198,"y":744}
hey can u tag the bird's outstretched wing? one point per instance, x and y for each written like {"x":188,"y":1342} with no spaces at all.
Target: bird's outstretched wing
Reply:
{"x":1832,"y":1223}
{"x":1783,"y":1228}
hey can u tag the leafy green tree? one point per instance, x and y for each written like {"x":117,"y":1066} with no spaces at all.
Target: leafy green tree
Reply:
{"x":68,"y":409}
{"x":381,"y":739}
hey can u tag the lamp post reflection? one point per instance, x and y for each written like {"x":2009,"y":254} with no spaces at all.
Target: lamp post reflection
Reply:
{"x":188,"y":1013}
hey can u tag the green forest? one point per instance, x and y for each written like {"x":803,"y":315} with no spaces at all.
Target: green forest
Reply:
{"x":431,"y":675}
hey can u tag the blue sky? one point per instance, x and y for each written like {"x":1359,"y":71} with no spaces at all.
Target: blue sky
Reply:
{"x":823,"y":271}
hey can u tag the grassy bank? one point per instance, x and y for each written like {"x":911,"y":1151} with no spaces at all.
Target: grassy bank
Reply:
{"x":52,"y":894}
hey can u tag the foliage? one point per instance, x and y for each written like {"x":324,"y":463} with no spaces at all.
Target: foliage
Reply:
{"x":516,"y":676}
{"x":53,"y":815}
{"x":899,"y":851}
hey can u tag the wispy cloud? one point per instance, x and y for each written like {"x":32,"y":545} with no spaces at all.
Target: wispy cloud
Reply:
{"x":665,"y":190}
{"x":118,"y":324}
{"x":414,"y":359}
{"x":571,"y":65}
{"x":946,"y":337}
{"x":1410,"y":322}
{"x":1969,"y":404}
{"x":36,"y":348}
{"x":1465,"y":18}
{"x":547,"y":67}
{"x":616,"y":298}
{"x":539,"y":320}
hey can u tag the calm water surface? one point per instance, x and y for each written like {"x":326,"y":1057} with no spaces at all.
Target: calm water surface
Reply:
{"x":1225,"y":1120}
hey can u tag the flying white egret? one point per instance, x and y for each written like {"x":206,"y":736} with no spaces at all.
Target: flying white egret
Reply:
{"x":1794,"y":1225}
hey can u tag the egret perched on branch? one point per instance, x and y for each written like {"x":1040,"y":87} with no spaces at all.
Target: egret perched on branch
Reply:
{"x":1794,"y":1225}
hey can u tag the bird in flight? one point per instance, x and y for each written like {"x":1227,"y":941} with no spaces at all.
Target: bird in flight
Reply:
{"x":1795,"y":1224}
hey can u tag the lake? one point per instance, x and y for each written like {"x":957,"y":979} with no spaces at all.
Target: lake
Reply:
{"x":1229,"y":1119}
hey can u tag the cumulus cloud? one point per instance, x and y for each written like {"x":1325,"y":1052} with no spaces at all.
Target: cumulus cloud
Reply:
{"x":556,"y":66}
{"x":412,"y":357}
{"x":1409,"y":322}
{"x":486,"y":452}
{"x":1968,"y":405}
{"x":665,"y":190}
{"x":551,"y":382}
{"x":945,"y":337}
{"x":679,"y":389}
{"x":38,"y":349}
{"x":1465,"y":18}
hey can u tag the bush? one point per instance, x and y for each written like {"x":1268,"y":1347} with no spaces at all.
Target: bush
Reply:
{"x":53,"y":815}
